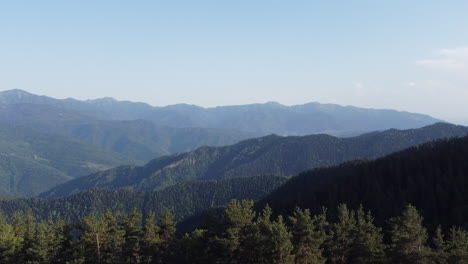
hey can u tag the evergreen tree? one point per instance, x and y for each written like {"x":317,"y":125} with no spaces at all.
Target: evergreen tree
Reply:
{"x":151,"y":239}
{"x":133,"y":233}
{"x":193,"y":247}
{"x":91,"y":239}
{"x":307,"y":240}
{"x":167,"y":235}
{"x":457,"y":246}
{"x":281,"y":243}
{"x":408,"y":237}
{"x":256,"y":245}
{"x":237,"y":218}
{"x":10,"y":243}
{"x":367,"y":245}
{"x":340,"y":242}
{"x":27,"y":254}
{"x":41,"y":249}
{"x":439,"y":252}
{"x":111,"y":238}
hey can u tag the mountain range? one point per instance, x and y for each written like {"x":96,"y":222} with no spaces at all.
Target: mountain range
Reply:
{"x":258,"y":119}
{"x":87,"y":156}
{"x":431,"y":176}
{"x":47,"y":141}
{"x":273,"y":155}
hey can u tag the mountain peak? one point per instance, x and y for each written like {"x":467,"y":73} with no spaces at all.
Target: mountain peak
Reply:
{"x":15,"y":92}
{"x":103,"y":99}
{"x":272,"y":103}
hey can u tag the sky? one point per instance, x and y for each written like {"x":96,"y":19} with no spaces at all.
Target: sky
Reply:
{"x":404,"y":55}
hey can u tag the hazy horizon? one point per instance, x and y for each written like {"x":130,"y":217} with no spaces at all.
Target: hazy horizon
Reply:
{"x":406,"y":56}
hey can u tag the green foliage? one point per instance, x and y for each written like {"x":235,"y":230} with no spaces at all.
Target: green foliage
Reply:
{"x":439,"y":253}
{"x":367,"y":245}
{"x":341,"y":238}
{"x":457,"y":246}
{"x":238,"y":236}
{"x":131,"y":249}
{"x":307,"y":238}
{"x":408,"y":237}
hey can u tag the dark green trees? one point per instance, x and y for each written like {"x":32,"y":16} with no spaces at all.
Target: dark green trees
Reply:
{"x":131,"y":248}
{"x":408,"y":237}
{"x":308,"y":235}
{"x":239,"y":235}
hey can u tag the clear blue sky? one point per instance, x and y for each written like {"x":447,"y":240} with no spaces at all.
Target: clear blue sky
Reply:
{"x":406,"y":55}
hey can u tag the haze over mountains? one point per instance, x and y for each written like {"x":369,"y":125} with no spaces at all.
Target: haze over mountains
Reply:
{"x":62,"y":147}
{"x":104,"y":133}
{"x":259,"y":119}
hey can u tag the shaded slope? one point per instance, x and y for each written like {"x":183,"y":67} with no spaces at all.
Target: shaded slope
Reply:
{"x":433,"y":177}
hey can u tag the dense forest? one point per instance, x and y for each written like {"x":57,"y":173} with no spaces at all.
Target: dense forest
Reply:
{"x":183,"y":199}
{"x":238,"y":235}
{"x":432,"y":176}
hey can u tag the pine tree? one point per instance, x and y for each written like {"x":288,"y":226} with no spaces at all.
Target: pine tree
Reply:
{"x":367,"y":245}
{"x":408,"y":237}
{"x":237,"y":218}
{"x":167,"y":235}
{"x":91,"y":239}
{"x":132,"y":229}
{"x":439,"y":252}
{"x":111,"y":238}
{"x":19,"y":225}
{"x":281,"y":243}
{"x":10,"y":244}
{"x":41,"y":247}
{"x":457,"y":246}
{"x":151,"y":239}
{"x":307,"y":240}
{"x":256,"y":245}
{"x":29,"y":233}
{"x":193,"y":247}
{"x":340,"y":243}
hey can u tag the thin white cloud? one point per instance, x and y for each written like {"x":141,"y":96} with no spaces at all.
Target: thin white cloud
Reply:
{"x":450,"y":60}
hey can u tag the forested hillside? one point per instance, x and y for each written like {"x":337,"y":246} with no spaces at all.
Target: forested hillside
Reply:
{"x":184,"y":199}
{"x":33,"y":162}
{"x":267,"y":155}
{"x":433,"y":177}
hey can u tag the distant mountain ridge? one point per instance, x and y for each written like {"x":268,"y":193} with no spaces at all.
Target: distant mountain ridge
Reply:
{"x":138,"y":140}
{"x":259,"y":119}
{"x":32,"y":162}
{"x":266,"y":155}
